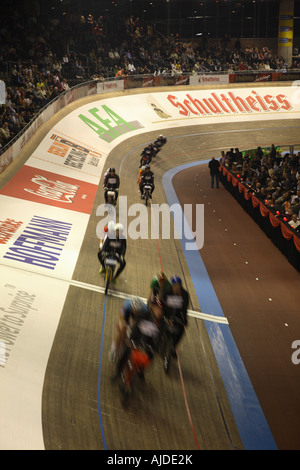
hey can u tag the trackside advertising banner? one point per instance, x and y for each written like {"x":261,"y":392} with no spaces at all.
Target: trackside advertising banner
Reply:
{"x":105,"y":122}
{"x":45,"y":209}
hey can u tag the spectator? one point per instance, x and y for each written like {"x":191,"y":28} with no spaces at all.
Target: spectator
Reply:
{"x":294,"y":222}
{"x":57,"y":49}
{"x":55,"y":93}
{"x":223,"y":157}
{"x":214,"y":166}
{"x":120,"y":73}
{"x":272,"y":178}
{"x":4,"y":133}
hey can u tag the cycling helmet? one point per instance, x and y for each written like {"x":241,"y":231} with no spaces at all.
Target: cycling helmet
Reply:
{"x":147,"y":167}
{"x":136,"y":304}
{"x":176,"y":280}
{"x":112,"y":170}
{"x":119,"y":227}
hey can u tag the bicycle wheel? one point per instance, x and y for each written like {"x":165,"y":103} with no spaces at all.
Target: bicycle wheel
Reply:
{"x":125,"y":380}
{"x":165,"y":350}
{"x":167,"y":355}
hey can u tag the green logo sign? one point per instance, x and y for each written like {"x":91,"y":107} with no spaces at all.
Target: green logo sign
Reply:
{"x":111,"y":126}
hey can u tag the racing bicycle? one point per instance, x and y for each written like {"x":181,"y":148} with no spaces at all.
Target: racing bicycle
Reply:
{"x":110,"y":263}
{"x":111,"y":200}
{"x":147,"y":193}
{"x":136,"y":362}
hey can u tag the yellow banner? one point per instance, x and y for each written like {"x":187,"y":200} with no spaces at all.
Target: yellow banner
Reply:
{"x":286,"y":29}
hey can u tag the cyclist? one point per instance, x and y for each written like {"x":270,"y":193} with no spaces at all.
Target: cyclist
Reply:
{"x":160,"y":141}
{"x":131,"y":308}
{"x":115,"y":245}
{"x":111,"y":183}
{"x":176,"y":305}
{"x":147,"y":178}
{"x":159,"y":287}
{"x":141,"y":171}
{"x":146,"y":155}
{"x":143,"y":339}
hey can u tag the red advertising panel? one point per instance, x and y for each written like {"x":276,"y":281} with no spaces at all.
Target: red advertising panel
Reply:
{"x":48,"y":188}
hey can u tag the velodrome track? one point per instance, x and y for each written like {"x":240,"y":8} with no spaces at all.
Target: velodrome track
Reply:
{"x":207,"y":401}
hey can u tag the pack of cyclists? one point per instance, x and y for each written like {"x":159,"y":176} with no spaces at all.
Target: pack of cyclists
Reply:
{"x":111,"y":180}
{"x":142,"y":325}
{"x":111,"y":183}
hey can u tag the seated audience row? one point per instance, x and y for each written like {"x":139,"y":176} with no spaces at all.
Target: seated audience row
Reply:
{"x":274,"y":178}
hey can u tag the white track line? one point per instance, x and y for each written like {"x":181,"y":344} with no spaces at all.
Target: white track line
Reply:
{"x":118,"y":294}
{"x":122,"y":295}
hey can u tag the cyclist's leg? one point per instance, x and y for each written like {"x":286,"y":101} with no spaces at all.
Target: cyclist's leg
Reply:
{"x":123,"y":358}
{"x":118,"y":343}
{"x":121,"y":267}
{"x":177,"y":332}
{"x":101,"y":259}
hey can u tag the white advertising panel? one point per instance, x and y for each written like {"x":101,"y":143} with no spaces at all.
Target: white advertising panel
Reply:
{"x":209,"y":79}
{"x":69,"y":156}
{"x":40,"y":238}
{"x":28,"y":323}
{"x":107,"y":122}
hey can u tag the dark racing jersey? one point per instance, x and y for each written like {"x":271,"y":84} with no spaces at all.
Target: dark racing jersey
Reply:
{"x":115,"y":245}
{"x":147,"y":178}
{"x":145,"y":333}
{"x":176,"y":306}
{"x":112,"y":182}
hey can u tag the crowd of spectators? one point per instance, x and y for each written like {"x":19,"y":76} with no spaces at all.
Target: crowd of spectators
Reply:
{"x":273,"y":176}
{"x":41,"y":57}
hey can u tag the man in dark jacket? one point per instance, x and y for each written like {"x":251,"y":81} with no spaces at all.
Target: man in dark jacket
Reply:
{"x":214,"y":166}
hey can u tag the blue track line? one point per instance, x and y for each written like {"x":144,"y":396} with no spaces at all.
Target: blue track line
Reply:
{"x":99,"y":375}
{"x":249,"y":417}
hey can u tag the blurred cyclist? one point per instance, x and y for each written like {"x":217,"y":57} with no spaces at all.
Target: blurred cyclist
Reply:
{"x":176,"y":305}
{"x":130,"y":310}
{"x":115,"y":245}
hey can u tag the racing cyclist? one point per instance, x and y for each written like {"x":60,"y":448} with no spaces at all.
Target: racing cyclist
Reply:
{"x":147,"y":179}
{"x":111,"y":183}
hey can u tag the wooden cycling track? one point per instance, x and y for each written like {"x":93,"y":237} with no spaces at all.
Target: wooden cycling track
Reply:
{"x":188,"y":409}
